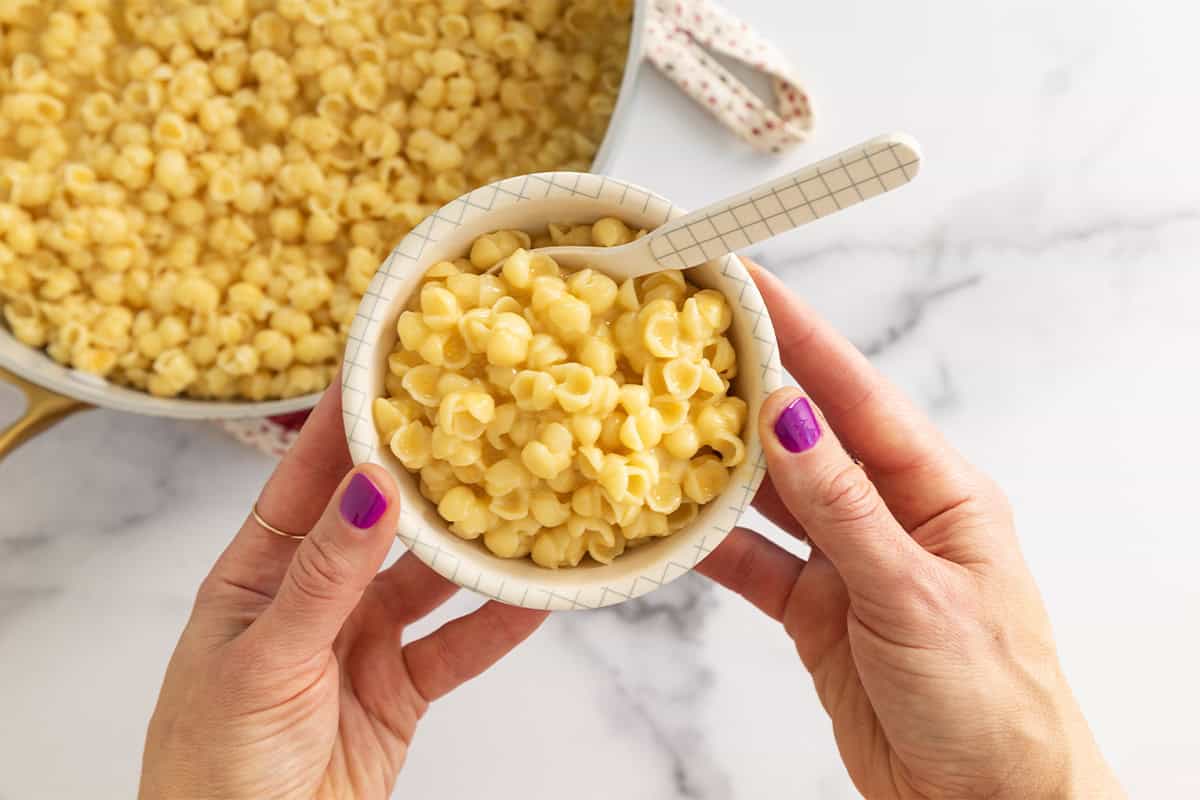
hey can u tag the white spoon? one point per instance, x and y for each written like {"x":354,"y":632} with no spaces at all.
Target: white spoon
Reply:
{"x":818,"y":190}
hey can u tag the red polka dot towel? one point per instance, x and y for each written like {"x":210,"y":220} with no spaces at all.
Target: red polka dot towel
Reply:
{"x":681,"y":36}
{"x":272,"y":435}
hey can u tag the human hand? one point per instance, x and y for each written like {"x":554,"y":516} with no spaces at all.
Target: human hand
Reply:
{"x":916,"y":616}
{"x":290,"y":679}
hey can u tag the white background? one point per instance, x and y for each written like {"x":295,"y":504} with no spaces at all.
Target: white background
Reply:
{"x":1036,"y":291}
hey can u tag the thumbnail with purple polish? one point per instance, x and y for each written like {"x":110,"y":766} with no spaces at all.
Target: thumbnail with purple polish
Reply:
{"x":362,"y":504}
{"x":797,"y":428}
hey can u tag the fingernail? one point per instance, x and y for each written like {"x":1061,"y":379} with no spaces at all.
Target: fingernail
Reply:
{"x":797,"y":428}
{"x":362,"y":504}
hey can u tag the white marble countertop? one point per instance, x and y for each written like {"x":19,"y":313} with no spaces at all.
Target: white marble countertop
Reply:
{"x":1036,"y":290}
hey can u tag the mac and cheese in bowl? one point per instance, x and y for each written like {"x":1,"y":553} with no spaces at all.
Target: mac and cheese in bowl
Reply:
{"x":558,"y":415}
{"x":195,"y":195}
{"x":492,"y":223}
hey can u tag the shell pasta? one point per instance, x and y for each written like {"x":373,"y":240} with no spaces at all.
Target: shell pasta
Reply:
{"x":195,"y":194}
{"x":557,"y":415}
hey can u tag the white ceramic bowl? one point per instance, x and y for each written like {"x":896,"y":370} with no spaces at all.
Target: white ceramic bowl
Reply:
{"x":529,"y":203}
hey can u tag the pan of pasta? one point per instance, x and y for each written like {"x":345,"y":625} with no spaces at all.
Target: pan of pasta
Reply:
{"x":561,"y":441}
{"x":194,"y":196}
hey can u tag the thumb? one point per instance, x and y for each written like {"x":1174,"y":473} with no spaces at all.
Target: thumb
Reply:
{"x":833,"y":499}
{"x":332,"y":567}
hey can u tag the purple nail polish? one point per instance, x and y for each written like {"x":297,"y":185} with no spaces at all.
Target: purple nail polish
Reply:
{"x":797,"y":428}
{"x":362,"y":504}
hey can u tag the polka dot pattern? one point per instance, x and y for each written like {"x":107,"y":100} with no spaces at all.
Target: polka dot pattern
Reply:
{"x":271,"y":435}
{"x":680,"y":37}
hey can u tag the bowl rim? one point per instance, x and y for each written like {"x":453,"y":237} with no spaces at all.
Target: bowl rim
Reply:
{"x":619,"y":122}
{"x":36,"y":366}
{"x":467,"y":563}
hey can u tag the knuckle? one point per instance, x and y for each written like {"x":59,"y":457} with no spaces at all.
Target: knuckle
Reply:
{"x":745,"y":565}
{"x":443,"y":661}
{"x":938,"y":599}
{"x":928,"y":589}
{"x":320,"y":570}
{"x":848,"y":496}
{"x":445,"y":657}
{"x":511,"y":626}
{"x":998,"y":499}
{"x":988,"y":498}
{"x":210,"y":591}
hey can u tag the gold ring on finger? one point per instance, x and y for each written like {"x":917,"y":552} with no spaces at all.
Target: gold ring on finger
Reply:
{"x":262,"y":522}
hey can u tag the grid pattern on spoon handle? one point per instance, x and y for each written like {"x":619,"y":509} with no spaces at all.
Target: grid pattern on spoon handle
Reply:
{"x":846,"y":179}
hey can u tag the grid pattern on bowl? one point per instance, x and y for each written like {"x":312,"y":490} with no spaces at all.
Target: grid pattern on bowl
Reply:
{"x":420,"y":529}
{"x":826,"y":188}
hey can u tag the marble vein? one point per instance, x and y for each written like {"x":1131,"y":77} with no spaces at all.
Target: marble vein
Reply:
{"x":661,"y":704}
{"x":927,"y":262}
{"x":16,"y":599}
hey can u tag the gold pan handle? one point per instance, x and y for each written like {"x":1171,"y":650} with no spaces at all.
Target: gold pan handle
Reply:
{"x":43,"y":409}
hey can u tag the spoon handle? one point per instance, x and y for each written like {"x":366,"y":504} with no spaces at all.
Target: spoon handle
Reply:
{"x":818,"y":190}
